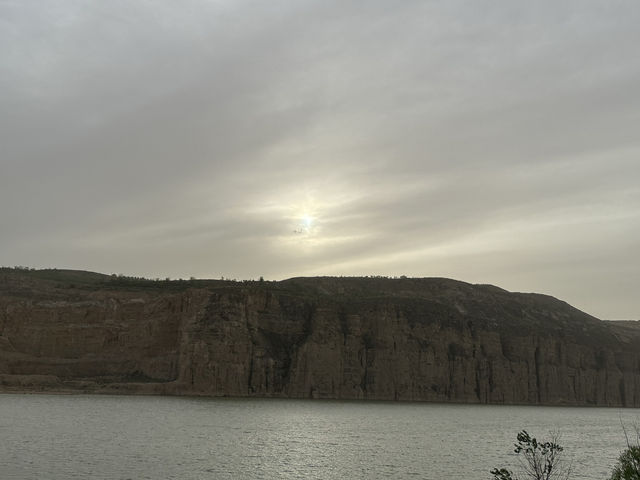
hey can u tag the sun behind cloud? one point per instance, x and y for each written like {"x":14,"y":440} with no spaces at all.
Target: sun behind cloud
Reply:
{"x":307,"y":222}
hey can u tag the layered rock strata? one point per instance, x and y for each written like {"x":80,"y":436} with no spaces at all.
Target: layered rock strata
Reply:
{"x":347,"y":338}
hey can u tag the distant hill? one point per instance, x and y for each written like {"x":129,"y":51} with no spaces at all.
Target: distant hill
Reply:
{"x":419,"y":339}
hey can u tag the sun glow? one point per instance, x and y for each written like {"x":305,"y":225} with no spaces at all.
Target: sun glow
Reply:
{"x":307,"y":221}
{"x":305,"y":224}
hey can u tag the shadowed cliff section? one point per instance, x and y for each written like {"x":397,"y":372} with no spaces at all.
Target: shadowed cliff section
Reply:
{"x":429,"y":339}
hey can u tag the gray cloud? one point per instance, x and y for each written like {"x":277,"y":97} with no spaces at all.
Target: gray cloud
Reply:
{"x":491,"y":142}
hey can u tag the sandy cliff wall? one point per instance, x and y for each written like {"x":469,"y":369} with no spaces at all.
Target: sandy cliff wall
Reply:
{"x":404,"y":339}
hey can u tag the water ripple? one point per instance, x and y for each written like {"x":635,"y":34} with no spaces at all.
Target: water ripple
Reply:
{"x":119,"y":437}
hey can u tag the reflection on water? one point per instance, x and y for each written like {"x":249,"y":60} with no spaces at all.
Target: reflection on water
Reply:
{"x":119,"y":437}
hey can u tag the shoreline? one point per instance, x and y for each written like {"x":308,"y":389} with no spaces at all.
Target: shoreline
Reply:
{"x":137,"y":391}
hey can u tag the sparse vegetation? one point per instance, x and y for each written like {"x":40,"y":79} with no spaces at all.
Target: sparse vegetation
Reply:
{"x":77,"y":279}
{"x":628,"y":466}
{"x":538,"y":460}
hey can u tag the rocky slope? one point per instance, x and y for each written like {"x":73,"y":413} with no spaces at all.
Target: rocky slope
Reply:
{"x":353,"y":338}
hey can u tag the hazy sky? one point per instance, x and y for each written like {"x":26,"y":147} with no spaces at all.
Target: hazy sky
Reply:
{"x":488,"y":141}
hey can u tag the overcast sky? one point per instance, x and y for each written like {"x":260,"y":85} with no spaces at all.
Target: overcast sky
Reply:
{"x":487,"y":141}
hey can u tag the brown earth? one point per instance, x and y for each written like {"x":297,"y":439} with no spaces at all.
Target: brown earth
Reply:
{"x":428,"y":339}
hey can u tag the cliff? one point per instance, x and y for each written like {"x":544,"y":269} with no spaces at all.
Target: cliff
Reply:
{"x":428,"y":339}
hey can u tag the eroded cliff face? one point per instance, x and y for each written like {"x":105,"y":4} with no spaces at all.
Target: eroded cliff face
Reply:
{"x":402,"y":339}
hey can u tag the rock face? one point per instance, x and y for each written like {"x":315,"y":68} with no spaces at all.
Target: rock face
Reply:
{"x":349,"y":338}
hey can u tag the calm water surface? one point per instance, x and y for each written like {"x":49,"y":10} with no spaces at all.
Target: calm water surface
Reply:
{"x":126,"y":437}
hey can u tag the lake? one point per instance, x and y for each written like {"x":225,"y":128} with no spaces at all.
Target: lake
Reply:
{"x":143,"y":437}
